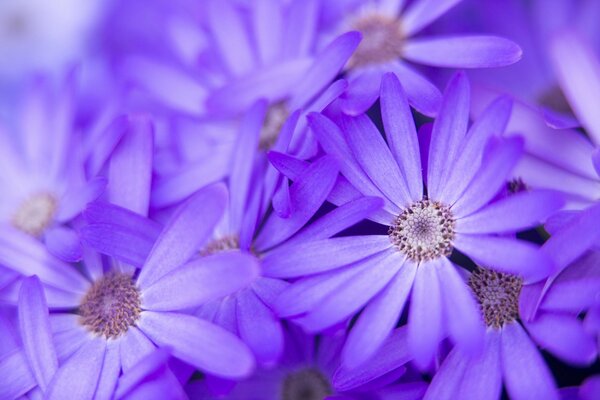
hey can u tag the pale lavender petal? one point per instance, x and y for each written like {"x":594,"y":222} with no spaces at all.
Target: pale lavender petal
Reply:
{"x":503,"y":156}
{"x":111,"y":369}
{"x":78,"y":377}
{"x":327,"y":65}
{"x":259,"y":328}
{"x":507,"y":255}
{"x":76,"y":199}
{"x":362,"y":92}
{"x":354,"y":294}
{"x":35,"y":331}
{"x":518,"y":212}
{"x":133,"y":347}
{"x":578,"y":70}
{"x":423,"y":95}
{"x":188,"y":228}
{"x":526,"y":375}
{"x":307,"y":194}
{"x":392,"y":355}
{"x":423,"y":12}
{"x":492,"y":121}
{"x":449,"y":130}
{"x":375,"y":158}
{"x":232,"y":40}
{"x":379,"y":317}
{"x":306,"y":258}
{"x":130,"y":168}
{"x":300,"y":27}
{"x":17,"y":378}
{"x":268,"y":27}
{"x":564,"y":336}
{"x":464,"y":322}
{"x":463,"y":51}
{"x":200,"y":281}
{"x":484,"y":379}
{"x":446,"y":383}
{"x":401,"y":134}
{"x":63,"y":243}
{"x":200,"y":343}
{"x":425,"y":315}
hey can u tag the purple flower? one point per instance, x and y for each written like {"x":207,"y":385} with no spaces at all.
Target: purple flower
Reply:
{"x":43,"y":177}
{"x":110,"y":322}
{"x":465,"y":171}
{"x":389,"y":41}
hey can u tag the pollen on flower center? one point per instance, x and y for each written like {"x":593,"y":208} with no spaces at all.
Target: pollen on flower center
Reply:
{"x":382,"y":41}
{"x":230,"y":242}
{"x":497,"y":294}
{"x":35,"y":213}
{"x":305,"y":384}
{"x":111,"y":305}
{"x":423,"y":231}
{"x":276,"y":116}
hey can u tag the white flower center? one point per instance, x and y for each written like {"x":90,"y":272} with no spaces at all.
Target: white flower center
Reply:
{"x":35,"y":214}
{"x":276,"y":116}
{"x":383,"y":40}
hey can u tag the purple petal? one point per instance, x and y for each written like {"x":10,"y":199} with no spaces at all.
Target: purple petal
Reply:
{"x":449,"y":130}
{"x":354,"y":294}
{"x":259,"y":328}
{"x":111,"y":369}
{"x":401,"y":134}
{"x":578,"y":71}
{"x":63,"y":243}
{"x":375,"y":158}
{"x":423,"y":12}
{"x":484,"y":379}
{"x":507,"y":255}
{"x":202,"y":344}
{"x":564,"y":336}
{"x":268,"y":26}
{"x":446,"y":383}
{"x":590,"y":388}
{"x":185,"y":232}
{"x":492,"y":121}
{"x":491,"y":177}
{"x":362,"y":92}
{"x":144,"y":369}
{"x":76,"y":199}
{"x":200,"y":281}
{"x":35,"y":331}
{"x":463,"y":51}
{"x":512,"y":214}
{"x":306,"y":258}
{"x":130,"y":170}
{"x":231,"y":39}
{"x":464,"y":324}
{"x":339,"y":219}
{"x":307,"y":194}
{"x":423,"y":95}
{"x":425,"y":315}
{"x":327,"y":65}
{"x":134,"y":346}
{"x":526,"y":375}
{"x":392,"y":355}
{"x":17,"y":378}
{"x":78,"y":377}
{"x":300,"y":27}
{"x":378,"y":318}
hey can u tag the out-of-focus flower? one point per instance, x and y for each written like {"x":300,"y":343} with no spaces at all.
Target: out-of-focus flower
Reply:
{"x":44,"y":182}
{"x":466,"y":171}
{"x":389,"y":41}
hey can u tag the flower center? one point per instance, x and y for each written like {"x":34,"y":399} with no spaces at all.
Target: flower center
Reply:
{"x":382,"y":41}
{"x":276,"y":116}
{"x":423,"y":231}
{"x":223,"y":244}
{"x":498,"y":295}
{"x":35,"y":214}
{"x":111,"y":305}
{"x":516,"y":185}
{"x":306,"y":384}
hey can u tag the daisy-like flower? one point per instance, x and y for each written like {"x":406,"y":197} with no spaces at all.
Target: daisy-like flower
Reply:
{"x":465,"y":170}
{"x":310,"y":369}
{"x":44,"y":185}
{"x":389,"y":32}
{"x":106,"y":322}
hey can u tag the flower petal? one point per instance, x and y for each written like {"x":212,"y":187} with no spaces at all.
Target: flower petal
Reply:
{"x":188,"y":228}
{"x":526,"y":375}
{"x":463,"y":51}
{"x":78,"y":377}
{"x":17,"y":378}
{"x":64,"y":243}
{"x":423,"y":12}
{"x":35,"y":331}
{"x":423,"y":95}
{"x":202,"y":344}
{"x":200,"y":281}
